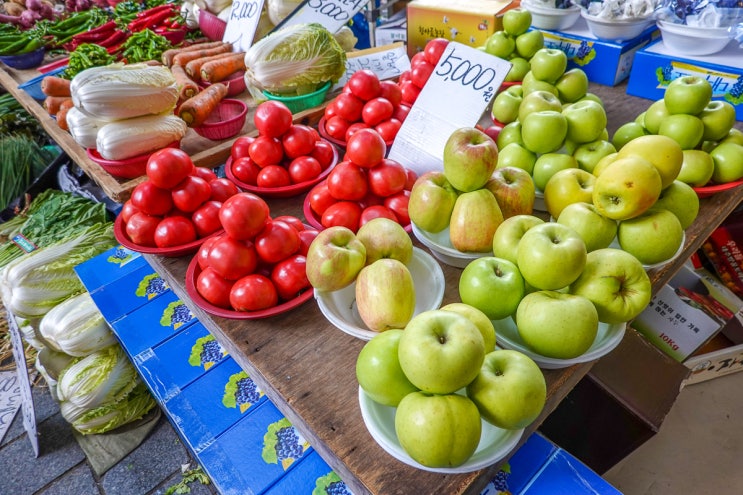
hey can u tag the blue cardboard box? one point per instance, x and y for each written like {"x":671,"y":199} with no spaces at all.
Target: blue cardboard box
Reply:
{"x":604,"y":62}
{"x":312,"y":475}
{"x":108,"y":267}
{"x":655,"y":67}
{"x":128,"y":293}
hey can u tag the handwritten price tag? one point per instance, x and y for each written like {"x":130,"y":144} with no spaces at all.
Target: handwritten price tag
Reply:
{"x":332,"y":14}
{"x":387,"y":62}
{"x":455,"y":96}
{"x":10,"y":400}
{"x":242,"y":24}
{"x":27,"y":401}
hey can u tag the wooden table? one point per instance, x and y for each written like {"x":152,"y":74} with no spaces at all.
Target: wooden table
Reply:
{"x":306,"y":366}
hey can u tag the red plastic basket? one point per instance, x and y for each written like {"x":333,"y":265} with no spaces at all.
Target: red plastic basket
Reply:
{"x":212,"y":26}
{"x":225,"y":121}
{"x":129,"y":168}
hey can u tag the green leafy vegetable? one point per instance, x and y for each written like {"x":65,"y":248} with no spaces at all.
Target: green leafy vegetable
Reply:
{"x":107,"y":417}
{"x":189,"y":476}
{"x":143,"y":46}
{"x":85,"y":56}
{"x":21,"y":161}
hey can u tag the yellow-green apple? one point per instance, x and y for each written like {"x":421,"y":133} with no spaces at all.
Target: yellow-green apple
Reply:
{"x":492,"y":285}
{"x":513,"y":189}
{"x":572,"y":85}
{"x":334,"y":258}
{"x":544,"y":131}
{"x":556,"y":324}
{"x":627,"y":132}
{"x":551,"y":255}
{"x":588,"y":155}
{"x":718,"y":118}
{"x":438,"y":431}
{"x":663,"y":152}
{"x":480,"y":319}
{"x":474,"y":219}
{"x":500,"y":44}
{"x":653,"y":237}
{"x":616,"y":283}
{"x":537,"y":101}
{"x":686,"y":130}
{"x":626,"y":188}
{"x":505,"y":108}
{"x":654,"y":115}
{"x":517,"y":156}
{"x":385,"y":295}
{"x":680,"y":199}
{"x":568,"y":186}
{"x":596,"y":230}
{"x":509,"y":233}
{"x":385,"y":238}
{"x":530,"y":84}
{"x":527,"y":44}
{"x":603,"y":163}
{"x":687,"y":94}
{"x":548,"y":164}
{"x":734,"y":136}
{"x":519,"y":68}
{"x":510,"y":390}
{"x":441,"y":351}
{"x":431,"y":202}
{"x":516,"y":21}
{"x":511,"y":133}
{"x":548,"y":64}
{"x":594,"y":97}
{"x":378,"y":369}
{"x":728,"y":158}
{"x":470,"y":156}
{"x":586,"y":121}
{"x":697,"y":168}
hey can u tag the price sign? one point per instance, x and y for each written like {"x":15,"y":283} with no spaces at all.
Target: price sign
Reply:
{"x":10,"y":400}
{"x":27,"y":401}
{"x":455,"y":96}
{"x":332,"y":14}
{"x":386,"y":62}
{"x":242,"y":24}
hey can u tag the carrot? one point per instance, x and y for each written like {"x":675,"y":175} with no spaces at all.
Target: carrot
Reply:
{"x":55,"y":86}
{"x":193,"y":68}
{"x":219,"y":70}
{"x":186,"y":57}
{"x":62,"y":118}
{"x":196,"y":109}
{"x":167,"y":56}
{"x":66,"y":105}
{"x":52,"y":103}
{"x":186,"y":86}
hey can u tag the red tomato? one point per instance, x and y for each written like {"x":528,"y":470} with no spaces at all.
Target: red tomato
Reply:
{"x":345,"y":213}
{"x":245,"y":170}
{"x":410,"y":92}
{"x":305,"y":239}
{"x":412,"y":177}
{"x":420,"y":73}
{"x":388,"y":129}
{"x":371,"y":199}
{"x":320,"y":198}
{"x":304,"y":168}
{"x":273,"y":176}
{"x":244,"y":215}
{"x":277,"y":241}
{"x":141,"y":228}
{"x":266,"y":151}
{"x":404,"y":76}
{"x":387,"y":178}
{"x":356,"y":126}
{"x":174,"y":231}
{"x":202,"y":256}
{"x":291,"y":220}
{"x":364,"y":83}
{"x":290,"y":276}
{"x":150,"y":199}
{"x":376,"y":211}
{"x":191,"y":193}
{"x":222,"y":188}
{"x":366,"y":148}
{"x":401,"y":112}
{"x":272,"y":118}
{"x":376,"y":110}
{"x":390,"y":91}
{"x":206,"y":218}
{"x":434,"y":49}
{"x":398,"y":203}
{"x":205,"y":173}
{"x":347,"y":181}
{"x":336,"y":127}
{"x":240,"y":147}
{"x":330,"y":110}
{"x":168,"y":166}
{"x":253,"y":293}
{"x":416,"y":59}
{"x":299,"y":140}
{"x":232,"y":258}
{"x":127,"y":210}
{"x":324,"y":153}
{"x":214,"y":288}
{"x":348,"y":106}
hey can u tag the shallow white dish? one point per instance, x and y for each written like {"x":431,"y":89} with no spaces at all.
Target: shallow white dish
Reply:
{"x":608,"y":337}
{"x":692,"y":40}
{"x":441,"y":247}
{"x":539,"y":204}
{"x":495,"y":443}
{"x":552,"y":18}
{"x":339,"y":306}
{"x":616,"y":29}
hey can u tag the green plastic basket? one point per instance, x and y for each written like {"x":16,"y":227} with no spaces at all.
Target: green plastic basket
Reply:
{"x":302,"y":102}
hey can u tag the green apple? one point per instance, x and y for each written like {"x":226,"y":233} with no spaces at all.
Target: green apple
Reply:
{"x":492,"y":285}
{"x":516,"y":21}
{"x":475,"y":218}
{"x":718,"y":118}
{"x":572,"y":85}
{"x":550,"y":255}
{"x":500,"y":44}
{"x":334,"y":258}
{"x":548,"y":164}
{"x":596,"y":230}
{"x":385,"y":295}
{"x":515,"y":155}
{"x":470,"y":156}
{"x":511,"y":133}
{"x":510,"y":390}
{"x":654,"y":115}
{"x":528,"y":43}
{"x":537,"y":101}
{"x":626,"y":188}
{"x":680,"y":199}
{"x":663,"y":152}
{"x":509,"y":233}
{"x":627,"y":132}
{"x":505,"y":108}
{"x":653,"y":237}
{"x":697,"y":168}
{"x":519,"y":68}
{"x":586,"y":121}
{"x":568,"y":186}
{"x":480,"y":319}
{"x":431,"y":202}
{"x":734,"y":136}
{"x":513,"y":189}
{"x":544,"y":131}
{"x":686,"y":130}
{"x":687,"y":94}
{"x":588,"y":155}
{"x":557,"y":325}
{"x":385,"y":238}
{"x":378,"y":369}
{"x":728,"y":159}
{"x":441,"y":351}
{"x":438,"y":431}
{"x":548,"y":64}
{"x":616,"y":283}
{"x":530,"y":84}
{"x":603,"y":163}
{"x":593,"y":97}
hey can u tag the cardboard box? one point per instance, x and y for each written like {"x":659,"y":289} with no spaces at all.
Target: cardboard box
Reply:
{"x":108,"y":267}
{"x":393,"y":30}
{"x":469,"y":22}
{"x":312,"y":475}
{"x":655,"y":67}
{"x":727,"y":359}
{"x":604,"y":62}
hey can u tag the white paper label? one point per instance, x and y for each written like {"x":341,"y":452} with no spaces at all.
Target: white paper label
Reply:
{"x":455,"y":96}
{"x":242,"y":24}
{"x":27,"y":401}
{"x":386,"y":62}
{"x":10,"y":400}
{"x":332,"y":14}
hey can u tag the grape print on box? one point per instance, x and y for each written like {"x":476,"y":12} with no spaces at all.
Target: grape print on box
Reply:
{"x":283,"y":444}
{"x":241,"y":391}
{"x":206,"y":352}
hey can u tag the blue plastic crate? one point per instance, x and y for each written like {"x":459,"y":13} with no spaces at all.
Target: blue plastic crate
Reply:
{"x":33,"y":86}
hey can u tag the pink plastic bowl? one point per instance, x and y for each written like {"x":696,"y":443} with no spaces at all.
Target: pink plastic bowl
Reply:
{"x":225,"y":121}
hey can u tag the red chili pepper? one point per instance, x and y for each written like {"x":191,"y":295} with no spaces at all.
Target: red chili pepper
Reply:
{"x":149,"y":21}
{"x":114,"y":39}
{"x":155,"y":10}
{"x":95,"y":34}
{"x":106,"y":27}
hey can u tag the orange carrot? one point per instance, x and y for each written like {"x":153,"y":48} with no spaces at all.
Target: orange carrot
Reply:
{"x":55,"y":86}
{"x":186,"y":57}
{"x":196,"y":109}
{"x":167,"y":56}
{"x":52,"y":103}
{"x":193,"y":68}
{"x":62,"y":118}
{"x":219,"y":70}
{"x":66,"y":105}
{"x":186,"y":86}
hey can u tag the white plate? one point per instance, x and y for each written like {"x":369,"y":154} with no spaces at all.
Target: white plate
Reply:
{"x":339,"y":306}
{"x":441,"y":247}
{"x":495,"y":443}
{"x":608,"y":337}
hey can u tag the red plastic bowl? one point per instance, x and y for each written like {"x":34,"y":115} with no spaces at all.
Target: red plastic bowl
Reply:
{"x":226,"y":121}
{"x":190,"y":248}
{"x":193,"y":271}
{"x":340,"y":143}
{"x":129,"y":168}
{"x":706,"y":191}
{"x":212,"y":26}
{"x":235,"y":83}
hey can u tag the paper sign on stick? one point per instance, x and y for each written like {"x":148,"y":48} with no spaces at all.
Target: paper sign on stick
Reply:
{"x":387,"y":62}
{"x":27,"y":401}
{"x":332,"y":14}
{"x":242,"y":24}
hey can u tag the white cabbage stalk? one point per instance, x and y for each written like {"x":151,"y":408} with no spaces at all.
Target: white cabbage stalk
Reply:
{"x":29,"y":330}
{"x":107,"y":417}
{"x":278,"y":10}
{"x":126,"y":138}
{"x":76,"y":327}
{"x":84,"y":127}
{"x":50,"y":363}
